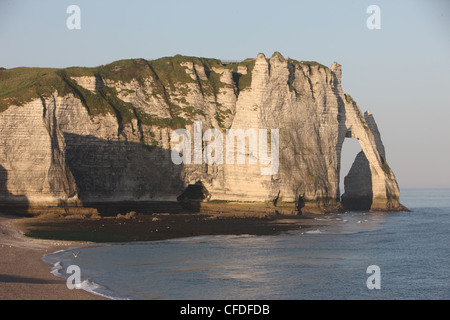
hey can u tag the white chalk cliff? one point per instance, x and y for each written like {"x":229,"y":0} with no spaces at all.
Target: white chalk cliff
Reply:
{"x":104,"y":134}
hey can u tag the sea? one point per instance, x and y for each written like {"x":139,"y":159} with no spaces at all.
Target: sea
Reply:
{"x":355,"y":255}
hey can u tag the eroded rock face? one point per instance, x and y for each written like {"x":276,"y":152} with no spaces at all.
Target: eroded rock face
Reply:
{"x":54,"y":149}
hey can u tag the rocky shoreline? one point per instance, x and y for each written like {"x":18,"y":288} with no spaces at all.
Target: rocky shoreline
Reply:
{"x":133,"y":226}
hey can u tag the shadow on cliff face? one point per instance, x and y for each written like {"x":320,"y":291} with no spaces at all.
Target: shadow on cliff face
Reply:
{"x":120,"y":176}
{"x":10,"y":203}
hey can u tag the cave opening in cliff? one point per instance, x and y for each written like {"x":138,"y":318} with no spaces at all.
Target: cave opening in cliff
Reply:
{"x":192,"y":196}
{"x":349,"y":151}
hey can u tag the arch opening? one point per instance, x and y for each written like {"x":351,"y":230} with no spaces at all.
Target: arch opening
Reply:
{"x":358,"y":193}
{"x":349,"y":151}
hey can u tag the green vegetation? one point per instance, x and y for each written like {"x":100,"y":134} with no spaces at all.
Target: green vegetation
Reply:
{"x":350,"y":100}
{"x":165,"y":75}
{"x":213,"y":85}
{"x":20,"y":85}
{"x":221,"y":115}
{"x":170,"y":73}
{"x":386,"y":168}
{"x":122,"y":70}
{"x":306,"y":63}
{"x":152,"y":120}
{"x":191,"y":112}
{"x":313,"y":64}
{"x":243,"y":81}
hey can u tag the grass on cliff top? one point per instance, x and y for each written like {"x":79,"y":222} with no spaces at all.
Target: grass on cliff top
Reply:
{"x":307,"y":63}
{"x":121,"y":70}
{"x":21,"y":85}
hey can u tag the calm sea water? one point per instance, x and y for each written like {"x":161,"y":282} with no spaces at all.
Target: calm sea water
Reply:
{"x":412,"y":250}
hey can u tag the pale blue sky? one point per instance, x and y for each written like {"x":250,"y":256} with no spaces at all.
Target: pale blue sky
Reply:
{"x":401,"y":72}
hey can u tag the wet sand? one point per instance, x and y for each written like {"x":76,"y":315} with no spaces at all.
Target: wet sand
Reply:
{"x":23,"y":274}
